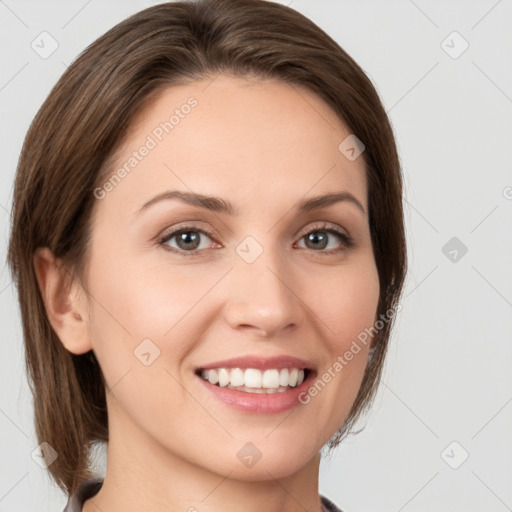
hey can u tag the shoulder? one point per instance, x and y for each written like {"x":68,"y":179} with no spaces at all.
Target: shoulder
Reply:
{"x":84,"y":491}
{"x":328,"y":505}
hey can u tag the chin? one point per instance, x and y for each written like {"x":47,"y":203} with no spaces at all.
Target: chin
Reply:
{"x":263,"y":460}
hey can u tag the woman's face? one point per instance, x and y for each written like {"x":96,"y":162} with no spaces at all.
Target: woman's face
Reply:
{"x":249,"y":276}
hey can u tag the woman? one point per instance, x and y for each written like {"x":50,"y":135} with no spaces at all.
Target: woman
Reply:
{"x":209,"y":249}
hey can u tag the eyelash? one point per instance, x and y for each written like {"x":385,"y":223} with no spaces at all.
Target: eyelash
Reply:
{"x":347,"y":241}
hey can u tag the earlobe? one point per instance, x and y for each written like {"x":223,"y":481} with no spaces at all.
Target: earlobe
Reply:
{"x":64,"y":301}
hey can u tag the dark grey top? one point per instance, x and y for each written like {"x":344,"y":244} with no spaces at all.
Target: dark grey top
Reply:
{"x":89,"y":488}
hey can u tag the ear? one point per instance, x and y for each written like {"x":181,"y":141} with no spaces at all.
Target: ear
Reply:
{"x":64,"y":300}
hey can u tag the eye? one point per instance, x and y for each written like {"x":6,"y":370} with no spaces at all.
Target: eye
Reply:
{"x":186,"y":239}
{"x":323,"y":239}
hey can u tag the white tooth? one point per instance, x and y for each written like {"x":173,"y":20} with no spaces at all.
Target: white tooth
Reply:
{"x":252,"y":378}
{"x":270,"y":379}
{"x":255,"y":380}
{"x":213,"y":376}
{"x":237,"y":377}
{"x":223,"y":377}
{"x":258,"y":391}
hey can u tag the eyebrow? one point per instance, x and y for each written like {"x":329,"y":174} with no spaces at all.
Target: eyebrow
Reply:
{"x":216,"y":204}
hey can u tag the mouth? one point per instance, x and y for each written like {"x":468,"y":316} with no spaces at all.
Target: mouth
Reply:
{"x":255,"y":380}
{"x":258,"y":385}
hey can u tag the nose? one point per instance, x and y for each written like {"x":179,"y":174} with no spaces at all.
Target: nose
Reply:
{"x":263,"y":297}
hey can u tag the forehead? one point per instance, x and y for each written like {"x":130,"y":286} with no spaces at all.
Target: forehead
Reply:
{"x":257,"y":141}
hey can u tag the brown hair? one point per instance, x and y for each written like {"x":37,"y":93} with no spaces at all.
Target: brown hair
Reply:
{"x":85,"y":119}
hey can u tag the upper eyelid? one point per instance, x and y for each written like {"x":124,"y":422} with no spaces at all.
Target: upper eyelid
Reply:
{"x":173,"y":231}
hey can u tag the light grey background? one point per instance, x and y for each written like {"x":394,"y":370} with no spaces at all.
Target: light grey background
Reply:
{"x":448,"y":374}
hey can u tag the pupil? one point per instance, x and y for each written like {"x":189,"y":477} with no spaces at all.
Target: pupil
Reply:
{"x":315,"y":237}
{"x":187,"y":237}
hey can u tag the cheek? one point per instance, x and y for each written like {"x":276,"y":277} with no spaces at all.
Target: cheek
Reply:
{"x":141,"y":308}
{"x":346,"y":306}
{"x":139,"y":340}
{"x":346,"y":301}
{"x":137,"y":299}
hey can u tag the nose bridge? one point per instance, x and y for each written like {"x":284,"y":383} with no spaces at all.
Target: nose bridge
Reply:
{"x":263,"y":296}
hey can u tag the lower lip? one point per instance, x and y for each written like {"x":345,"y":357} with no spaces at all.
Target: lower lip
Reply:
{"x":259,"y":403}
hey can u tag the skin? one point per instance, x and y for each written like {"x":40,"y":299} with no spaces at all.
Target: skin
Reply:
{"x":263,"y":146}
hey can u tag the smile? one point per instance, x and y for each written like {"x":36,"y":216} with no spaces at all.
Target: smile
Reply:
{"x":257,"y":384}
{"x":254,"y":380}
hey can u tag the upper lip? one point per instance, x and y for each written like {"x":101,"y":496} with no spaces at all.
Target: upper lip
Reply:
{"x":261,"y":363}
